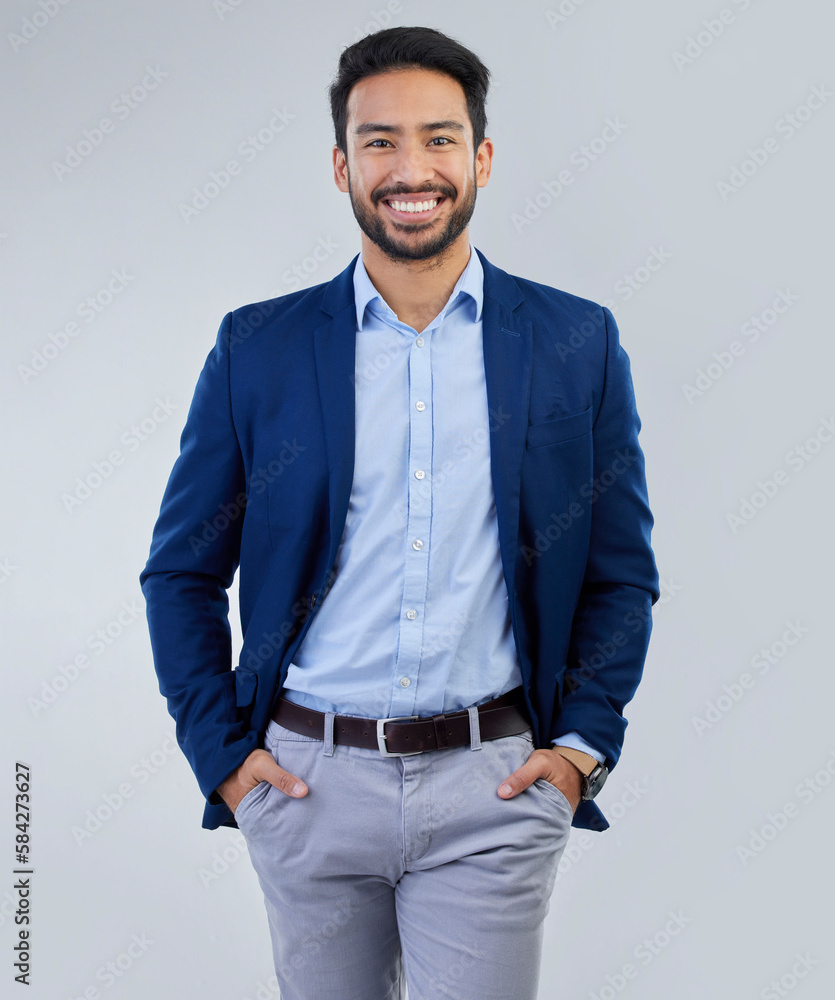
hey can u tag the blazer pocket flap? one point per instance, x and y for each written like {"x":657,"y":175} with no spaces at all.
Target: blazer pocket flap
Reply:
{"x":246,"y":681}
{"x":562,"y":429}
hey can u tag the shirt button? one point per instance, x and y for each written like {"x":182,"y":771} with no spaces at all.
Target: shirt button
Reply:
{"x":404,"y":682}
{"x":417,"y":544}
{"x":420,"y":405}
{"x":419,"y":341}
{"x":412,"y":614}
{"x":419,"y":473}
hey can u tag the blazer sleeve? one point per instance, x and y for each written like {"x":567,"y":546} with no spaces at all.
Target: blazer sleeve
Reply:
{"x":613,"y":618}
{"x":195,"y":551}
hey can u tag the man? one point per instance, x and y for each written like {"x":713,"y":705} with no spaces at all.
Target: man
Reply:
{"x":429,"y":474}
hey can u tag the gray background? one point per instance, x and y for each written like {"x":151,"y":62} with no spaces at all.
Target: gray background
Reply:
{"x":685,"y":798}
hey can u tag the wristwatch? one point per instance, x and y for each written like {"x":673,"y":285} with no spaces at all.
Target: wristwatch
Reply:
{"x":594,"y":773}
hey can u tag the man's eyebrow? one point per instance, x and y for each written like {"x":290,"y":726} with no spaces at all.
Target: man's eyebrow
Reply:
{"x":445,"y":125}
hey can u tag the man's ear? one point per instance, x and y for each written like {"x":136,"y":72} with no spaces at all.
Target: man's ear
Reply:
{"x":340,"y":169}
{"x":483,"y":162}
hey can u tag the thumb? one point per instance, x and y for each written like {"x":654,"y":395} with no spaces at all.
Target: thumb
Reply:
{"x":518,"y":781}
{"x":281,"y":779}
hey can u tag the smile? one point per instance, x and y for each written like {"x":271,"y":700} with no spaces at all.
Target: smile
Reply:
{"x":417,"y":210}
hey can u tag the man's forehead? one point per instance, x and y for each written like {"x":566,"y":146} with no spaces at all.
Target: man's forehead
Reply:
{"x":407,"y":97}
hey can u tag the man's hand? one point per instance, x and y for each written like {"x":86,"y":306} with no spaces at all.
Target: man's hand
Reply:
{"x":553,"y":767}
{"x":260,"y":765}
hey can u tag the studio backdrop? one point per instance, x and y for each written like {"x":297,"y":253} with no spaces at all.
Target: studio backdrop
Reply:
{"x":165,"y":163}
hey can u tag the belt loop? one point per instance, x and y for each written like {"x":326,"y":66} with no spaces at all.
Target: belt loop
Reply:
{"x":327,"y":750}
{"x":475,"y":728}
{"x":441,"y":732}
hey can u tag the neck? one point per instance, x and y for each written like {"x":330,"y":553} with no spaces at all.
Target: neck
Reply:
{"x":416,"y":290}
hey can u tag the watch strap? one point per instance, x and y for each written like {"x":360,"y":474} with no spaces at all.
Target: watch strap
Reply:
{"x":584,"y":762}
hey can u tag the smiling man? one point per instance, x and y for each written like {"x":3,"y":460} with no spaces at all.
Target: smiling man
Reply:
{"x":412,"y":183}
{"x":441,"y":520}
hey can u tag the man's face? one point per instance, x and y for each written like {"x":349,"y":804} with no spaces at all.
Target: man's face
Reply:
{"x":409,"y":146}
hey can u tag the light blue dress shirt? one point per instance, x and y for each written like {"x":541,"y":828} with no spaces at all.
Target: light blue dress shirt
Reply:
{"x":416,"y":621}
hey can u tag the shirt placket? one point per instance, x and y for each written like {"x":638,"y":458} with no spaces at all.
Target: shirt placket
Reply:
{"x":418,"y":526}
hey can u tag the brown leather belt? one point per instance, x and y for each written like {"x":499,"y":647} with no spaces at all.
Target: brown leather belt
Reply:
{"x":395,"y":737}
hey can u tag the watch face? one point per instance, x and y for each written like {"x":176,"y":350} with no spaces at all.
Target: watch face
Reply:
{"x":595,"y":781}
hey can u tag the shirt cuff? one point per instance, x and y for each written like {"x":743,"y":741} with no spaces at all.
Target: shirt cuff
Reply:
{"x":576,"y":742}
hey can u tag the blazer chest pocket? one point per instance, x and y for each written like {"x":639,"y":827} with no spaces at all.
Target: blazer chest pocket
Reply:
{"x":562,"y":429}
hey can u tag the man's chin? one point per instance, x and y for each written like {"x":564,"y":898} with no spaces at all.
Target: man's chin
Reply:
{"x":406,"y":252}
{"x":403,"y":242}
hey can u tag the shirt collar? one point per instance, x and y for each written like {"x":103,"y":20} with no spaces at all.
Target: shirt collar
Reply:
{"x":471,"y":283}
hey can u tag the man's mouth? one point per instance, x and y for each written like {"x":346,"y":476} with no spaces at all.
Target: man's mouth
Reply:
{"x":417,"y":209}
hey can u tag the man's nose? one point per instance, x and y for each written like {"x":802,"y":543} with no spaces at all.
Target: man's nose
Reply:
{"x":412,"y":165}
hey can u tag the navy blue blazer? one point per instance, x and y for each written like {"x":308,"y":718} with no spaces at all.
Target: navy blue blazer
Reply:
{"x":263,"y":481}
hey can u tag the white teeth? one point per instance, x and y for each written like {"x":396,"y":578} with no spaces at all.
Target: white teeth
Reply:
{"x":413,"y":206}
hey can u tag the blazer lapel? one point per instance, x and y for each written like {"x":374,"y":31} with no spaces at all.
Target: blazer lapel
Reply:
{"x":507,"y":367}
{"x":334,"y":344}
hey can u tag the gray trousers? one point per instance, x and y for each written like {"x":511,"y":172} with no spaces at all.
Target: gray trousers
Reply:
{"x":405,"y":870}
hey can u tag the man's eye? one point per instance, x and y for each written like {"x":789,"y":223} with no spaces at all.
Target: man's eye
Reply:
{"x":375,"y":141}
{"x":441,"y":139}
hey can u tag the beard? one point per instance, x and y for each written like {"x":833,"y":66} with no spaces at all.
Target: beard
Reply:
{"x":434,"y":244}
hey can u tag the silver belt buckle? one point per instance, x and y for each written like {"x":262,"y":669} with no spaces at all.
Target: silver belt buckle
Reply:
{"x":381,"y":736}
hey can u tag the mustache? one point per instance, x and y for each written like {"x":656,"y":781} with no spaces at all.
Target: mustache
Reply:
{"x":444,"y":189}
